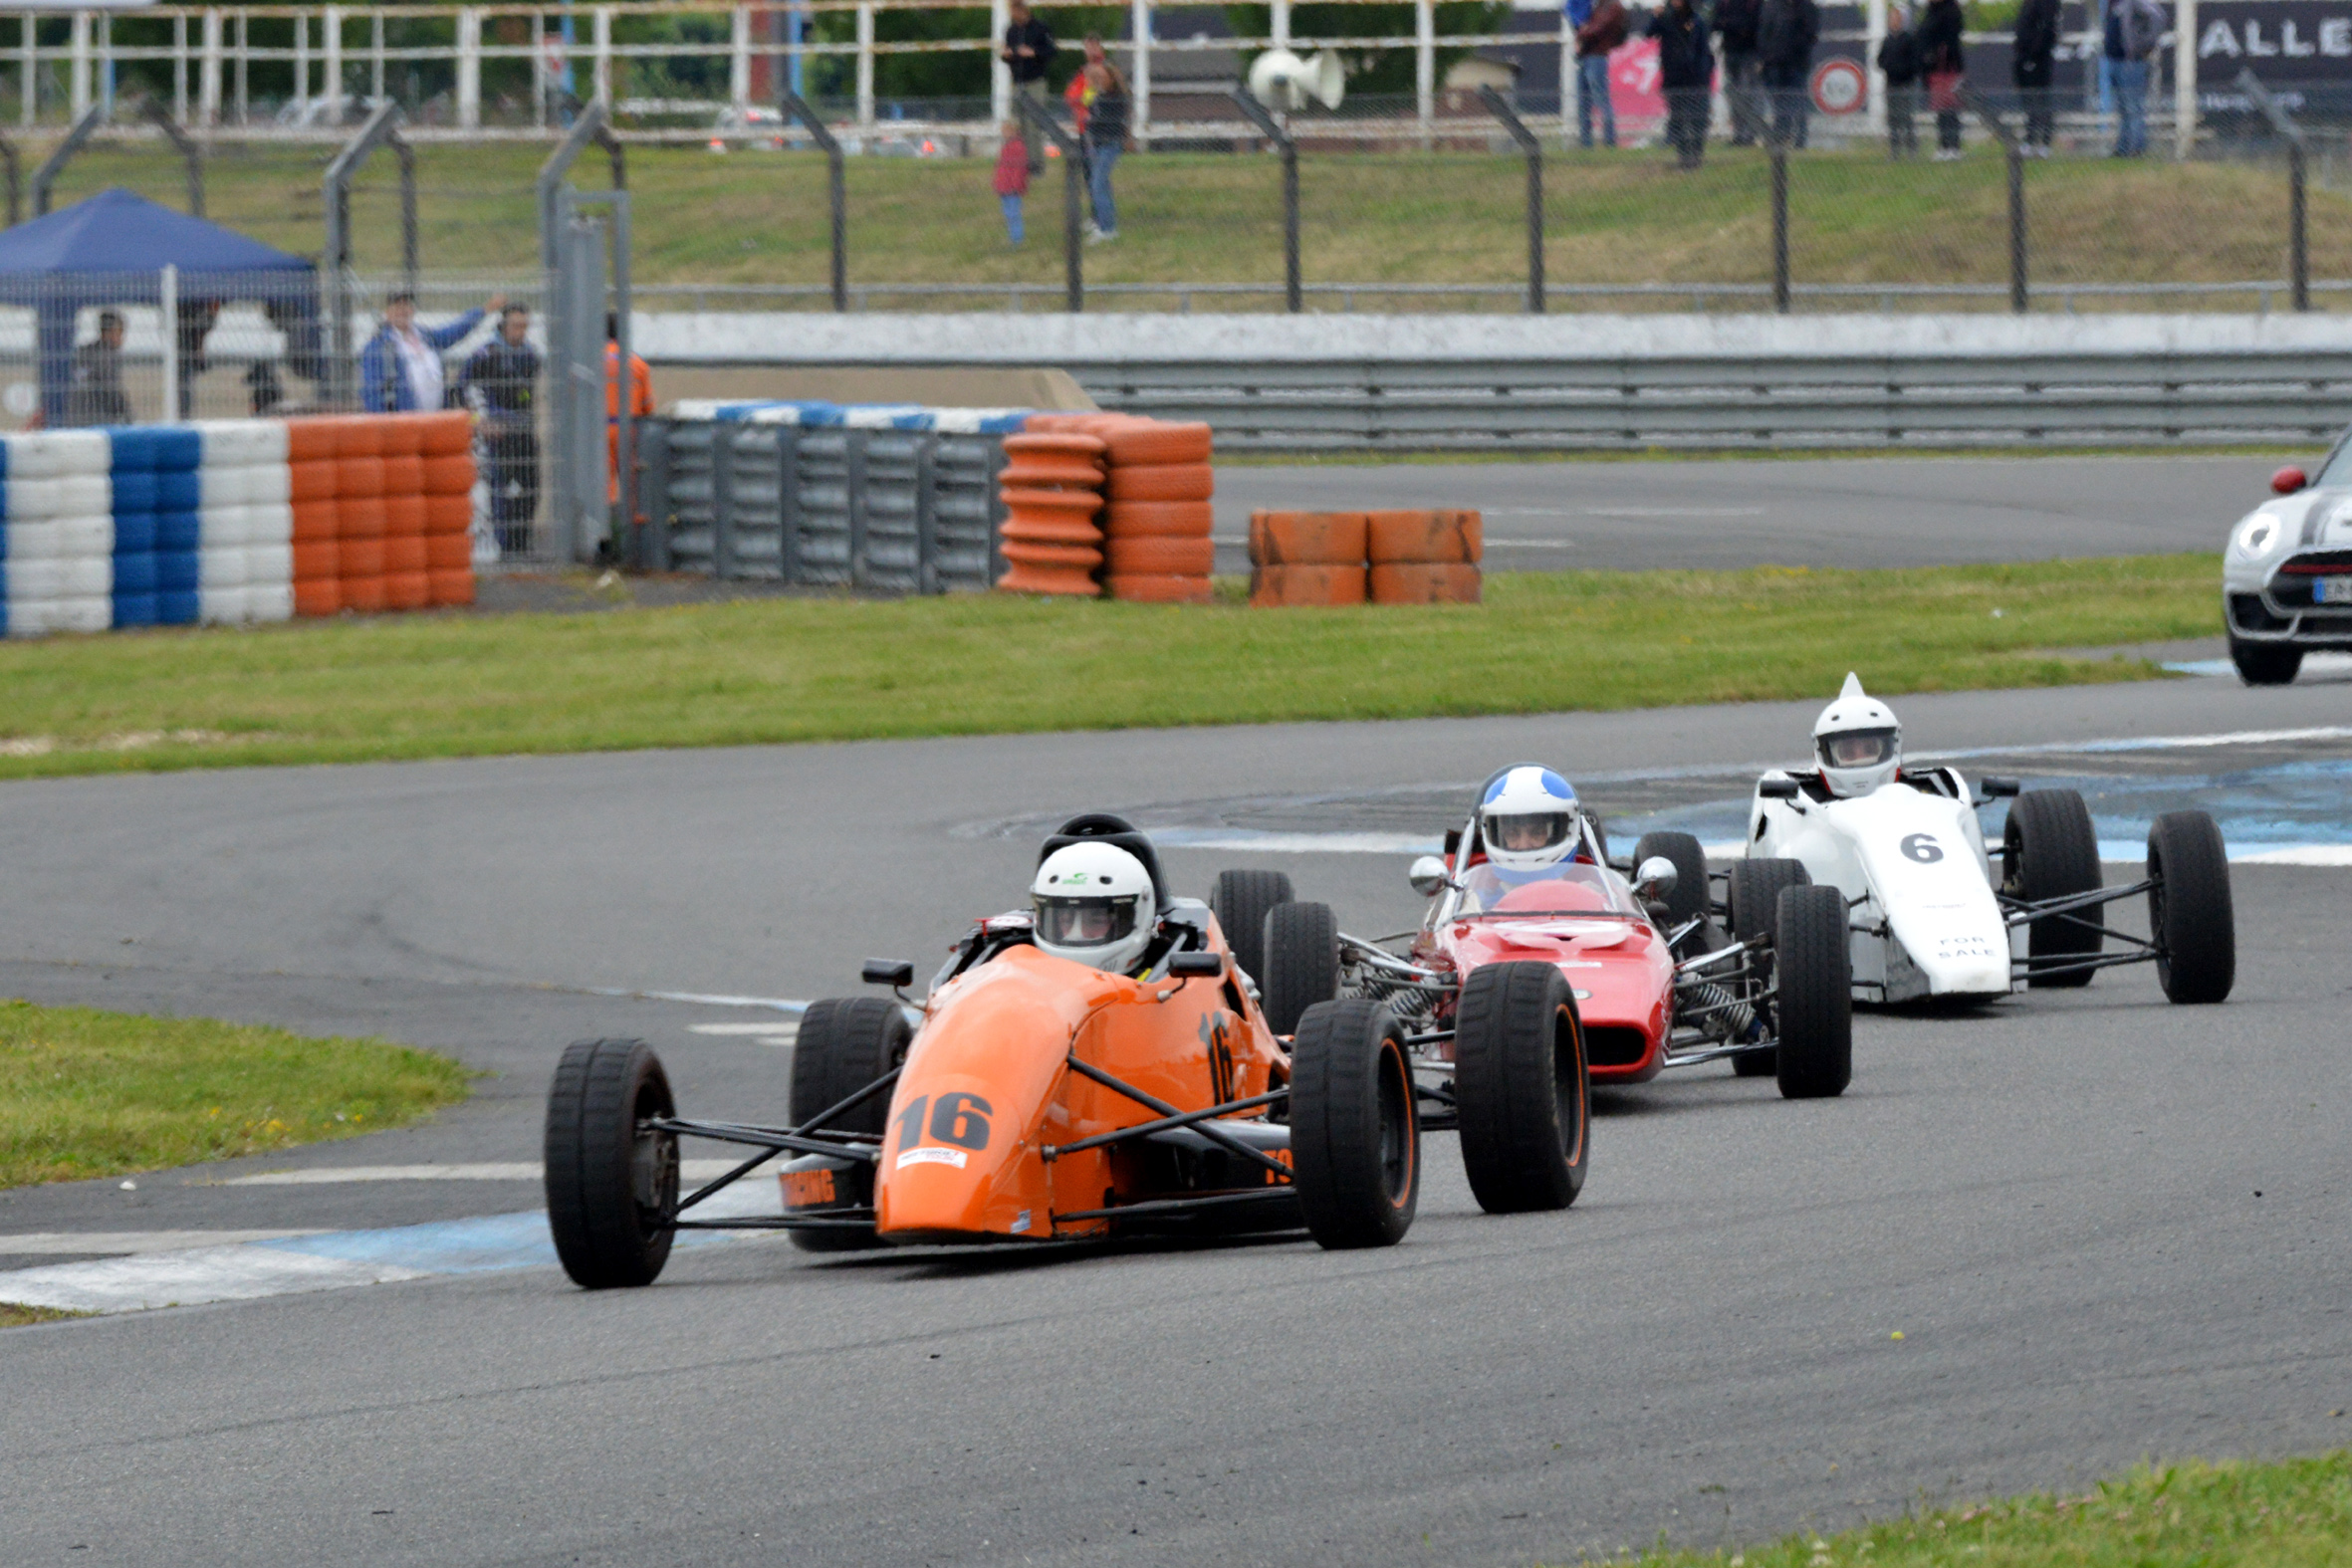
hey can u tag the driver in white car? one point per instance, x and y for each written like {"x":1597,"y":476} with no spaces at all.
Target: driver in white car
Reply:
{"x":1858,"y":743}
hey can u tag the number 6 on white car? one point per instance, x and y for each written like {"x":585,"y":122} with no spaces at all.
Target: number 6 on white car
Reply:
{"x":1931,"y":911}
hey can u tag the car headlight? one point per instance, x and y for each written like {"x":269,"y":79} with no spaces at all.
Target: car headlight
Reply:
{"x":2255,"y":536}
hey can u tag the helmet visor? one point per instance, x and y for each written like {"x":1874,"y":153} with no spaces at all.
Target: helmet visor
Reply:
{"x":1857,"y":748}
{"x":1521,"y":832}
{"x":1084,"y":922}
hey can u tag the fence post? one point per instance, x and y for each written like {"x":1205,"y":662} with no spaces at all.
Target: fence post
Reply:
{"x":1255,"y":112}
{"x":208,"y":73}
{"x":53,"y":165}
{"x":1000,"y":71}
{"x":1874,"y":87}
{"x":866,"y":66}
{"x":2299,"y":246}
{"x":469,"y":70}
{"x":330,"y":50}
{"x":1073,"y":247}
{"x":2183,"y":79}
{"x":600,"y":42}
{"x":1780,"y":156}
{"x":1278,"y":23}
{"x":798,"y":108}
{"x":180,"y":69}
{"x":1533,"y":149}
{"x":1425,"y":69}
{"x":1139,"y":79}
{"x":739,"y":62}
{"x":16,"y":181}
{"x":168,"y":323}
{"x":80,"y":44}
{"x":2014,"y":151}
{"x":28,"y":76}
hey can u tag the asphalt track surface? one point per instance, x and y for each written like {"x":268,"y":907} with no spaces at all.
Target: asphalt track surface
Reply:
{"x":2105,"y":1228}
{"x":1828,"y":512}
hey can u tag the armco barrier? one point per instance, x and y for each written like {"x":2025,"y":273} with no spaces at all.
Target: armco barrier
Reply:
{"x":896,"y":499}
{"x":174,"y":525}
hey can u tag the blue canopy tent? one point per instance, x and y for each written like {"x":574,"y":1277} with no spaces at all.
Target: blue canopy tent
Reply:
{"x":111,"y":250}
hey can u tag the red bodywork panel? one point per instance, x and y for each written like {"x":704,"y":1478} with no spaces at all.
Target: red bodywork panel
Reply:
{"x":1620,"y":970}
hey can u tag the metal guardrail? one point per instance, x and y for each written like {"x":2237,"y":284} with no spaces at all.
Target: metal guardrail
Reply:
{"x":1629,"y":403}
{"x":888,"y":510}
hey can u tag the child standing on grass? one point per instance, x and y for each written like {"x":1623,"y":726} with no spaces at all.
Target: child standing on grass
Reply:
{"x":1012,"y":179}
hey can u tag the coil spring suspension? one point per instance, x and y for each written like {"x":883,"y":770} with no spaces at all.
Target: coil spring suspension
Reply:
{"x":1728,"y":1017}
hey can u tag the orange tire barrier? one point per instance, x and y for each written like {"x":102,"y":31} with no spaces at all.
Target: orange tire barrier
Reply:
{"x":360,"y":435}
{"x":365,"y":595}
{"x":1150,"y":556}
{"x":403,"y":516}
{"x":404,"y":590}
{"x":359,"y":517}
{"x":1157,"y":520}
{"x":405,"y":553}
{"x":403,"y":435}
{"x":446,"y":435}
{"x":1157,"y":589}
{"x":310,"y":440}
{"x":448,"y":476}
{"x":310,"y":481}
{"x":403,"y":475}
{"x":1160,"y":481}
{"x":1049,"y":534}
{"x":448,"y":514}
{"x":314,"y":520}
{"x":448,"y":551}
{"x":1307,"y":539}
{"x":360,"y":557}
{"x":1424,"y":537}
{"x":316,"y":560}
{"x":1455,"y":582}
{"x":1158,"y":441}
{"x":1053,"y":461}
{"x":317,"y":595}
{"x":1272,"y":586}
{"x":450,"y":588}
{"x":359,"y":476}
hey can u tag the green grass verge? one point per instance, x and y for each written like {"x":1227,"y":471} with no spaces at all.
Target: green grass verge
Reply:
{"x":13,"y":1315}
{"x":84,"y":1093}
{"x":828,"y":669}
{"x":2292,"y":1513}
{"x":1448,"y":217}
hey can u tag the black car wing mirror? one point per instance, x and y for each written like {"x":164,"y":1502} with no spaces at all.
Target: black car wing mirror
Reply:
{"x":1196,"y":965}
{"x":1782,"y":788}
{"x":887,"y":972}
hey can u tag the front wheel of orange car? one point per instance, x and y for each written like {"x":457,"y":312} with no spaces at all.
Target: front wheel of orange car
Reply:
{"x":1355,"y":1140}
{"x":611,"y":1176}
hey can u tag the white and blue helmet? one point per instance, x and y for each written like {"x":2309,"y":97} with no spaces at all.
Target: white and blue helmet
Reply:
{"x":1528,"y":820}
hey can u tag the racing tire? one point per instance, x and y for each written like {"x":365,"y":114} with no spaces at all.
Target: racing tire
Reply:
{"x":844,"y":1045}
{"x":1302,"y":963}
{"x":1688,"y":900}
{"x":2265,"y":663}
{"x":1241,"y":901}
{"x":1523,"y":1088}
{"x":611,"y":1183}
{"x":2050,"y":849}
{"x":2190,"y":911}
{"x":1754,"y":897}
{"x":1356,"y":1136}
{"x":1813,"y":961}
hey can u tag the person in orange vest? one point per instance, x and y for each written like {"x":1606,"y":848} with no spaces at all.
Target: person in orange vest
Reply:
{"x":640,"y":401}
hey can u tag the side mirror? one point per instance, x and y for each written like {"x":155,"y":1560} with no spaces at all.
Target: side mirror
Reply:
{"x":1427,"y":875}
{"x":887,"y":972}
{"x":1196,"y":965}
{"x":2288,"y":480}
{"x":1993,"y":789}
{"x":1656,"y":877}
{"x":1779,"y":787}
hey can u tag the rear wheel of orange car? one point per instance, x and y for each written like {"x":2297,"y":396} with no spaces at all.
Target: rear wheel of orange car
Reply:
{"x":843,"y":1046}
{"x":1355,"y":1140}
{"x":1240,"y":900}
{"x":1523,"y":1088}
{"x":611,"y":1180}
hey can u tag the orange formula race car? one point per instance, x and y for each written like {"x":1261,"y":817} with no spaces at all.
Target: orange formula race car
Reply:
{"x":1094,"y":1066}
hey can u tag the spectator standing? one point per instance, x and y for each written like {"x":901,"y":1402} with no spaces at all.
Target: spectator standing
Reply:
{"x":2134,"y":28}
{"x":1106,"y":138}
{"x":1012,"y":179}
{"x":501,"y":383}
{"x":1898,"y":60}
{"x":641,"y":401}
{"x":400,"y":369}
{"x":1735,"y":24}
{"x":1686,"y":69}
{"x":1029,"y":51}
{"x":1940,"y":63}
{"x":94,"y":393}
{"x":2033,"y":62}
{"x":1785,"y":31}
{"x":1601,"y":32}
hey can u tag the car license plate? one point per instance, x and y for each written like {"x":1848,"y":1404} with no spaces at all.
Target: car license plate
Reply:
{"x":2331,"y":590}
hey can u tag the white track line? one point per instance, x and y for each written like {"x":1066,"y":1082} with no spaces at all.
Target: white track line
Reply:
{"x":496,"y":1170}
{"x":42,"y":1244}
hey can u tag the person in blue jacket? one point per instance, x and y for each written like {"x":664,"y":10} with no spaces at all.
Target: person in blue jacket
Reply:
{"x":400,"y":369}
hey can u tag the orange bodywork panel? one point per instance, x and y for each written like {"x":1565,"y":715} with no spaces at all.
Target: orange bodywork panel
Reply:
{"x":987,"y":1087}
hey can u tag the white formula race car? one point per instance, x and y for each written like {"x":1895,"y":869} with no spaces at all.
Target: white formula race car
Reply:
{"x":1934,"y":913}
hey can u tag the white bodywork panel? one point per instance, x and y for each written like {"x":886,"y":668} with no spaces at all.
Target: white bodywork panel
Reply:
{"x":1913,"y":869}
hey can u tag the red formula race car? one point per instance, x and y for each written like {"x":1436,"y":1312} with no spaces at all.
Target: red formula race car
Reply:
{"x":1653,"y":981}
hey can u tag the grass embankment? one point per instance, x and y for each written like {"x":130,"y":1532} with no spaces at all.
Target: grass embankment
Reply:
{"x":1405,"y":217}
{"x":825,"y":669}
{"x":14,"y":1316}
{"x":2294,"y":1513}
{"x":84,"y":1093}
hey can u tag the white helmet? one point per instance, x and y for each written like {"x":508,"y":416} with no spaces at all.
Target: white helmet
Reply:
{"x":1857,"y":741}
{"x":1095,"y":906}
{"x":1527,"y":820}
